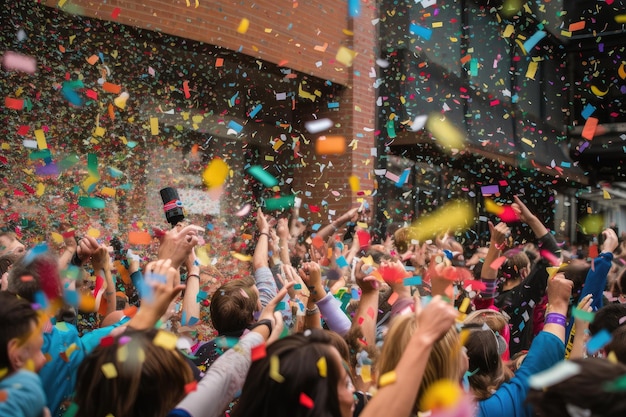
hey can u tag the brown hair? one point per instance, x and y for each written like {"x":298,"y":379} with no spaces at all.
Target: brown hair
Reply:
{"x":150,"y":379}
{"x":233,"y":306}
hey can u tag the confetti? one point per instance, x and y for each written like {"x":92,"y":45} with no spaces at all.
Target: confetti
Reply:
{"x":387,"y":379}
{"x":559,"y":372}
{"x":109,"y":370}
{"x":322,"y":367}
{"x":275,"y":370}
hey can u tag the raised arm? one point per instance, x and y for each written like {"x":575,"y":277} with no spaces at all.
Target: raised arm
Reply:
{"x":397,"y":397}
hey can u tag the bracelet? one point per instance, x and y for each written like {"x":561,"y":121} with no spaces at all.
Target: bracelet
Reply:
{"x":556,"y":318}
{"x":264,"y":322}
{"x":312,"y":311}
{"x":193,"y":275}
{"x":264,"y":233}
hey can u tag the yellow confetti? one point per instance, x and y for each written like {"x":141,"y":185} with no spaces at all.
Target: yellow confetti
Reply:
{"x":387,"y":379}
{"x":41,"y":139}
{"x":108,"y":191}
{"x":122,"y":353}
{"x":241,"y":257}
{"x":366,"y":373}
{"x":322,"y":367}
{"x":345,"y":56}
{"x":464,"y":305}
{"x":215,"y":173}
{"x":452,"y":216}
{"x":275,"y":370}
{"x":442,"y":394}
{"x":154,"y":126}
{"x":93,"y":232}
{"x":166,"y":340}
{"x":3,"y":372}
{"x":41,"y":188}
{"x":532,"y":70}
{"x":243,"y":26}
{"x":56,"y":237}
{"x":203,"y":256}
{"x":445,"y":132}
{"x":109,"y":370}
{"x":99,"y":131}
{"x":355,"y":185}
{"x":606,"y":195}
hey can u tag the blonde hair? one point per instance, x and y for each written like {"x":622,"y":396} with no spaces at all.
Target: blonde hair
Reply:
{"x":444,"y":361}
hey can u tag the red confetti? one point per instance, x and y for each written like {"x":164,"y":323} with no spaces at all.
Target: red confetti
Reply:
{"x":23,"y":130}
{"x":115,"y":13}
{"x":306,"y":401}
{"x":190,"y":387}
{"x":258,"y":352}
{"x":107,"y":341}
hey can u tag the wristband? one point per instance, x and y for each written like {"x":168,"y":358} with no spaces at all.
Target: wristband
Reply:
{"x":264,"y":233}
{"x":264,"y":322}
{"x":193,"y":275}
{"x":500,"y":246}
{"x":556,"y":318}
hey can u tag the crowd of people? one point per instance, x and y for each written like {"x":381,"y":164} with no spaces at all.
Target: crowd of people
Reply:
{"x":324,"y":323}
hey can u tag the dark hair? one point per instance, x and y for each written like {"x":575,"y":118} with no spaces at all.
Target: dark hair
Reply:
{"x":617,"y":345}
{"x":233,"y":306}
{"x":16,"y":321}
{"x":608,"y":317}
{"x":150,"y":379}
{"x":298,"y":356}
{"x":7,"y":260}
{"x":588,"y":389}
{"x":488,"y":370}
{"x":576,"y":271}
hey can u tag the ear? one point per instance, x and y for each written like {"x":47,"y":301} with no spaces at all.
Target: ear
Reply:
{"x":15,"y":354}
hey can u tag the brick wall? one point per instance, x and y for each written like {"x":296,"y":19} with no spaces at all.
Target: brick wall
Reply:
{"x":302,"y":35}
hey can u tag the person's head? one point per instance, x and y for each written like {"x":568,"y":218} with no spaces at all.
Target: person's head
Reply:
{"x":516,"y":267}
{"x":496,"y":322}
{"x":301,"y":375}
{"x":21,"y":335}
{"x":589,"y":392}
{"x":608,"y":317}
{"x":132,"y":376}
{"x":6,"y":263}
{"x":402,"y":239}
{"x":10,"y":244}
{"x":30,"y":275}
{"x":233,"y":306}
{"x":447,"y":359}
{"x":617,"y":345}
{"x":487,"y":370}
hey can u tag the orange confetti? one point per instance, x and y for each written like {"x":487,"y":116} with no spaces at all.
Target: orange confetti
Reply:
{"x":139,"y":238}
{"x":589,"y":130}
{"x":112,"y":88}
{"x":330,"y":145}
{"x":92,"y":60}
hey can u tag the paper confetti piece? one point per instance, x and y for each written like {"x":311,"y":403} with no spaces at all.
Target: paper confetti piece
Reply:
{"x":453,"y":215}
{"x":241,"y":257}
{"x":263,"y":176}
{"x":345,"y":56}
{"x":393,"y":298}
{"x":280,"y":203}
{"x":446,"y":133}
{"x":583,"y":315}
{"x":139,"y":238}
{"x":275,"y":370}
{"x":215,"y":173}
{"x":165,"y":340}
{"x":244,"y":24}
{"x":306,"y":401}
{"x":91,"y":202}
{"x":258,"y":352}
{"x":319,"y":125}
{"x":109,"y":370}
{"x":354,"y":183}
{"x":13,"y":61}
{"x":441,"y":394}
{"x":534,"y":39}
{"x":325,"y":145}
{"x":112,"y":88}
{"x":598,"y":341}
{"x":387,"y":379}
{"x":589,"y":130}
{"x":559,"y":372}
{"x":366,"y":373}
{"x":154,"y":126}
{"x":13,"y":103}
{"x":322,"y":367}
{"x":421,"y":31}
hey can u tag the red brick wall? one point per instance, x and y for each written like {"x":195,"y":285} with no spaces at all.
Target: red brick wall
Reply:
{"x":279,"y":30}
{"x":284,"y":32}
